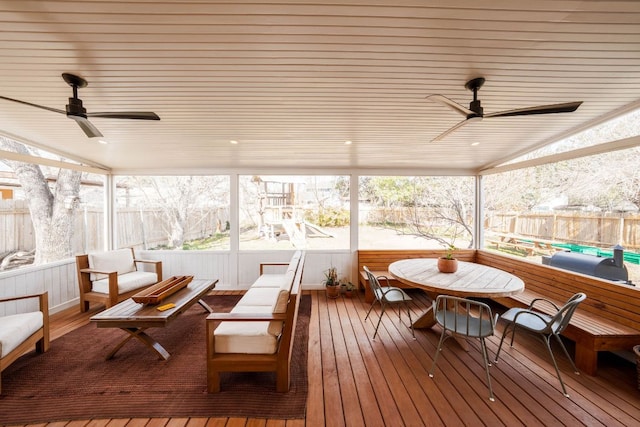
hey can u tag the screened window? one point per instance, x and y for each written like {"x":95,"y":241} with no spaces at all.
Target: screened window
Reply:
{"x":625,"y":126}
{"x":173,"y":212}
{"x":47,"y":213}
{"x":285,"y":212}
{"x":415,"y":212}
{"x":579,"y":205}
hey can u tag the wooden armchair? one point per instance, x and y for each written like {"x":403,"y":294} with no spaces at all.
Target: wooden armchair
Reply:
{"x":113,"y":276}
{"x":19,"y":332}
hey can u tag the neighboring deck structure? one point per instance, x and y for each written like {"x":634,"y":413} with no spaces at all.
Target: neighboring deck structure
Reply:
{"x":354,"y":381}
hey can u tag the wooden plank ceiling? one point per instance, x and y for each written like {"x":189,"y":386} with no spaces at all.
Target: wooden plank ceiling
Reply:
{"x":292,"y":81}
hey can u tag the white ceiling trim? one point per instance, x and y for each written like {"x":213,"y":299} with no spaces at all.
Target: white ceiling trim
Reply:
{"x":607,"y":147}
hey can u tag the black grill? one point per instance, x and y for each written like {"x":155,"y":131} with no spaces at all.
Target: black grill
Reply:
{"x":605,"y":268}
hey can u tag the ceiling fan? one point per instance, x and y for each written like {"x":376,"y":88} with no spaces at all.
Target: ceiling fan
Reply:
{"x":75,"y":110}
{"x":475,"y":111}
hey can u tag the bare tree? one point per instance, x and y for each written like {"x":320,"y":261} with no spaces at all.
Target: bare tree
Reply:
{"x":431,"y":207}
{"x":177,"y":197}
{"x":52,"y":206}
{"x":605,"y":181}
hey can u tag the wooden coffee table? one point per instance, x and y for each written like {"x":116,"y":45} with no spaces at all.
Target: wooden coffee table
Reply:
{"x":135,"y":318}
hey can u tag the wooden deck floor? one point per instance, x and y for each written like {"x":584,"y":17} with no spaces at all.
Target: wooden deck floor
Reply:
{"x":354,"y":381}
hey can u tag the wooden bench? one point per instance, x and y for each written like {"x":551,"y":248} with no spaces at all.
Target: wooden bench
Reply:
{"x":378,"y":262}
{"x":274,"y":318}
{"x":608,"y":320}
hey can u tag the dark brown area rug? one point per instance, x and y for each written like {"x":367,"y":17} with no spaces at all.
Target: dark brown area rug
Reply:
{"x":74,"y":381}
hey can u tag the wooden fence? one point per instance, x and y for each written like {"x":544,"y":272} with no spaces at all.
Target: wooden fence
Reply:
{"x":582,"y":228}
{"x":148,"y":228}
{"x":16,"y":231}
{"x":140,"y":229}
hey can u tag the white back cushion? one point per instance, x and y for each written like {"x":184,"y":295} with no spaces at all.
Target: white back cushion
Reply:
{"x":260,"y":296}
{"x":120,"y":261}
{"x":269,"y":280}
{"x":281,"y":303}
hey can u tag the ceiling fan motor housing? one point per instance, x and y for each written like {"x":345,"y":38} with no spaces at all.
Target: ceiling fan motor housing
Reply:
{"x":476,"y":108}
{"x":75,"y":108}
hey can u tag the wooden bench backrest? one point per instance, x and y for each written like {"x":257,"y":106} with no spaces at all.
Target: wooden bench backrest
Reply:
{"x":379,"y":260}
{"x":285,"y":349}
{"x":620,"y":303}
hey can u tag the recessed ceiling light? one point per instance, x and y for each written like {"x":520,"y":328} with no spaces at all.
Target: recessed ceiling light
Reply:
{"x":233,"y":141}
{"x":103,"y":141}
{"x":473,"y":144}
{"x":347,"y":142}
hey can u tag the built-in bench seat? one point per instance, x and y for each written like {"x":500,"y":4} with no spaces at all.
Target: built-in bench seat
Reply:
{"x":257,"y":335}
{"x":608,"y":320}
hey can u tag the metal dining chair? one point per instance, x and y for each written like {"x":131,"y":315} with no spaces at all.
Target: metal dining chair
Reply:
{"x":387,"y":295}
{"x":545,"y":325}
{"x":461,"y":317}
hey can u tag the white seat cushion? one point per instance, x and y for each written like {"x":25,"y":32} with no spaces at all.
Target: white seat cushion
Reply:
{"x":248,"y":337}
{"x":16,"y":328}
{"x":127,"y":282}
{"x":275,"y":327}
{"x":120,"y":261}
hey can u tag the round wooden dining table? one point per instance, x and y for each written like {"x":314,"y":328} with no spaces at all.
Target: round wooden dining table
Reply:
{"x":471,"y":280}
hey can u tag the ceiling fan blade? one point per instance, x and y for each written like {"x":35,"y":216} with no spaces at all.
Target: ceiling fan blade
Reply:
{"x":89,"y":129}
{"x":454,"y":128}
{"x":451,"y":104}
{"x":144,"y":115}
{"x":55,"y":110}
{"x":566,"y":107}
